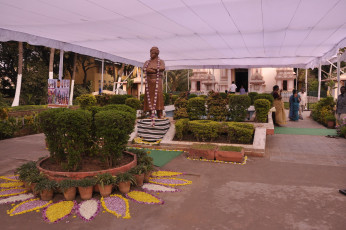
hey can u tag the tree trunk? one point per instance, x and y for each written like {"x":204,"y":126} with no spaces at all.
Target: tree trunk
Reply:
{"x":19,"y":76}
{"x":73,"y":77}
{"x":51,"y":61}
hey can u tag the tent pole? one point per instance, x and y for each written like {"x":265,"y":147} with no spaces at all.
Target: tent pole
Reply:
{"x":297,"y":78}
{"x":188,"y":80}
{"x":166,"y":81}
{"x":338,"y":73}
{"x":51,"y":60}
{"x":319,"y":81}
{"x":103,"y":63}
{"x":73,"y":77}
{"x":306,"y":80}
{"x":61,"y":64}
{"x":141,"y":82}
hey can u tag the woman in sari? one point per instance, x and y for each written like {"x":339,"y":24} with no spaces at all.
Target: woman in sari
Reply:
{"x":294,"y":106}
{"x":280,"y":116}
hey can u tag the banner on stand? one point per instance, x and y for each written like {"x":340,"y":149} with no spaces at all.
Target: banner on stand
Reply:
{"x":58,"y":93}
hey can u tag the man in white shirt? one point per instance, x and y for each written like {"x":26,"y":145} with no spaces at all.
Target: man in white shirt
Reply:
{"x":232,"y":88}
{"x":303,"y":101}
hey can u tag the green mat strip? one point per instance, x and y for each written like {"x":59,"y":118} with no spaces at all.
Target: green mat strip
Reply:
{"x":162,"y":157}
{"x":304,"y":131}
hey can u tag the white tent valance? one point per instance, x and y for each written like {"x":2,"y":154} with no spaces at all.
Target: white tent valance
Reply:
{"x":189,"y":33}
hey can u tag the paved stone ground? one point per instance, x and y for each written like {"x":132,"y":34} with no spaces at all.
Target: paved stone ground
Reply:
{"x":295,"y":186}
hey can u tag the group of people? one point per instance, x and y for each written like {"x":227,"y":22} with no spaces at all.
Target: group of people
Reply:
{"x":297,"y":104}
{"x":233,"y":88}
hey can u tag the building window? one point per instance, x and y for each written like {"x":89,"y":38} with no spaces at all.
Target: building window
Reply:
{"x":198,"y":86}
{"x":284,"y":85}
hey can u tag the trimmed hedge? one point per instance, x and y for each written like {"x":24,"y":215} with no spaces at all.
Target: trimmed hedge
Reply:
{"x":267,"y":96}
{"x":238,"y":105}
{"x":262,"y":107}
{"x":240,"y":134}
{"x":86,"y":100}
{"x":196,"y":108}
{"x":119,"y":99}
{"x":181,"y":128}
{"x":174,"y":98}
{"x":323,"y":109}
{"x":192,"y":95}
{"x":119,"y":107}
{"x":102,"y":99}
{"x":252,"y":95}
{"x":180,"y":103}
{"x":217,"y":107}
{"x":133,"y":103}
{"x":180,"y":113}
{"x":112,"y":132}
{"x":204,"y":130}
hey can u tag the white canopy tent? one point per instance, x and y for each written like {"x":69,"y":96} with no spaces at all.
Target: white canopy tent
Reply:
{"x":189,"y":33}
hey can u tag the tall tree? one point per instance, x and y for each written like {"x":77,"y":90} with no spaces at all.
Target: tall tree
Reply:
{"x":177,"y":80}
{"x":87,"y":63}
{"x":51,"y":63}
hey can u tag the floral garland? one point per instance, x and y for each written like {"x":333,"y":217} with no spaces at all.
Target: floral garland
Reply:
{"x":166,"y":173}
{"x":152,"y":106}
{"x":217,"y":161}
{"x":139,"y":140}
{"x":21,"y":197}
{"x":116,"y":205}
{"x":158,"y":188}
{"x":170,"y":181}
{"x":58,"y":211}
{"x":143,"y":197}
{"x":88,"y":209}
{"x":12,"y":192}
{"x":28,"y":206}
{"x":10,"y":178}
{"x":15,"y":184}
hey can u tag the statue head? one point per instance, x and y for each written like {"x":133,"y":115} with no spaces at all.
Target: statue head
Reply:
{"x":154,"y":52}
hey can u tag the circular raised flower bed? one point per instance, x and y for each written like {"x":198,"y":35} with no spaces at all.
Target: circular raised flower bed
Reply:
{"x":58,"y":176}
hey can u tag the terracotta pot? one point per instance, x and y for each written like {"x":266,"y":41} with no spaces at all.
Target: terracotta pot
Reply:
{"x":106,"y":190}
{"x":32,"y":187}
{"x":96,"y":188}
{"x":70,"y":193}
{"x":147,"y":176}
{"x":27,"y":186}
{"x":86,"y":193}
{"x":124,"y":187}
{"x":139,"y":179}
{"x":47,"y":194}
{"x":230,"y":156}
{"x":330,"y":124}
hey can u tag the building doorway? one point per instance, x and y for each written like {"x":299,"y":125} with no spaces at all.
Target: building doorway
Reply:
{"x":242,"y":79}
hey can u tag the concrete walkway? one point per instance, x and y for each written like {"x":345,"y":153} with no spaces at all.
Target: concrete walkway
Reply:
{"x":295,"y":186}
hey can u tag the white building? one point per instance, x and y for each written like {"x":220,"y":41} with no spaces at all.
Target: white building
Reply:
{"x":259,"y":80}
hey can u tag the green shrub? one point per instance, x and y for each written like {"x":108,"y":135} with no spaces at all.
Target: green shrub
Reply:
{"x":133,"y":103}
{"x":192,"y":95}
{"x":231,"y":148}
{"x":105,"y":179}
{"x":66,"y":184}
{"x":102,"y":99}
{"x":174,"y":98}
{"x":86,"y":182}
{"x":8,"y":128}
{"x":238,"y":105}
{"x":86,"y":100}
{"x":167,"y":98}
{"x":330,"y":117}
{"x":204,"y":130}
{"x":180,"y":113}
{"x":217,"y":107}
{"x":112,"y":132}
{"x":181,"y":128}
{"x":180,"y":103}
{"x":196,"y":108}
{"x":74,"y":129}
{"x":124,"y":177}
{"x":3,"y":113}
{"x":124,"y":108}
{"x":239,"y":134}
{"x":223,"y":95}
{"x":27,"y":107}
{"x":262,"y":107}
{"x":252,"y":95}
{"x":323,"y":109}
{"x":137,"y":170}
{"x":25,"y":169}
{"x":267,"y":96}
{"x":119,"y":99}
{"x":45,"y":184}
{"x":343,"y":131}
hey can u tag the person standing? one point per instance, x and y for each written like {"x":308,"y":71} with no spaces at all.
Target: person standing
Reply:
{"x":294,"y":106}
{"x":280,"y":115}
{"x":242,"y":90}
{"x":302,"y":104}
{"x":341,"y":105}
{"x":232,"y":88}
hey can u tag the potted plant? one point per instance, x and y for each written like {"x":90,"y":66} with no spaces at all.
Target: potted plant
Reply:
{"x":330,"y":119}
{"x":230,"y":153}
{"x":105,"y":184}
{"x":85,"y":187}
{"x":148,"y":169}
{"x":68,"y":188}
{"x":124,"y":181}
{"x":205,"y":151}
{"x":46,"y":189}
{"x":33,"y":178}
{"x":24,"y":171}
{"x":138,"y":173}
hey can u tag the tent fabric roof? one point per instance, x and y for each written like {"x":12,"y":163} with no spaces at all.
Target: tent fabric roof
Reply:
{"x":189,"y":33}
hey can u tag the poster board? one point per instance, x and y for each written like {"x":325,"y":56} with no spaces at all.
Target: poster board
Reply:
{"x":58,"y":93}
